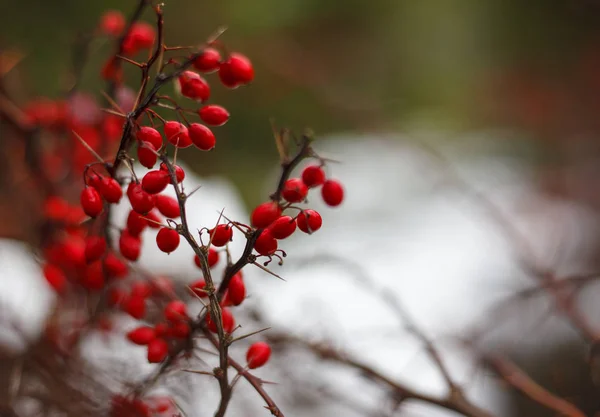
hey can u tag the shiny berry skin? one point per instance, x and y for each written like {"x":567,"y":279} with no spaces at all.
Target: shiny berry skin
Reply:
{"x":309,"y":221}
{"x":193,"y":86}
{"x":179,"y":172}
{"x":213,"y":258}
{"x":236,"y":291}
{"x":114,"y":266}
{"x":136,"y":223}
{"x":264,"y":214}
{"x":55,"y":278}
{"x":130,"y":246}
{"x":167,"y":206}
{"x":167,"y":240}
{"x":177,"y":134}
{"x":213,"y":115}
{"x":155,"y":181}
{"x":110,"y":189}
{"x":236,"y":70}
{"x":313,"y":176}
{"x":202,"y":137}
{"x":198,"y":288}
{"x":141,"y":335}
{"x":294,"y":190}
{"x":332,"y":193}
{"x":140,"y":200}
{"x":95,"y":246}
{"x":176,"y":311}
{"x":221,"y":235}
{"x":265,"y":244}
{"x":146,"y":153}
{"x":112,"y":23}
{"x":283,"y":227}
{"x":149,"y":134}
{"x":135,"y":307}
{"x":158,"y":349}
{"x":258,"y":354}
{"x":209,"y":61}
{"x":227,"y":319}
{"x":91,"y":202}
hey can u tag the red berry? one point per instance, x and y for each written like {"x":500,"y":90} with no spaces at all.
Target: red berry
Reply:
{"x":236,"y":70}
{"x":258,"y":354}
{"x":140,"y":200}
{"x":112,"y":23}
{"x":161,"y":329}
{"x":176,"y":311}
{"x":155,"y":181}
{"x":227,"y":319}
{"x":135,"y":223}
{"x":93,"y":277}
{"x":135,"y":307}
{"x":55,"y":277}
{"x":140,"y":36}
{"x":146,"y":153}
{"x":158,"y":349}
{"x":179,"y":172}
{"x":180,"y":330}
{"x":309,"y":221}
{"x":141,"y":335}
{"x":115,"y":296}
{"x":91,"y":202}
{"x":193,"y":86}
{"x":177,"y":134}
{"x":264,"y":214}
{"x":141,"y":289}
{"x":213,"y":115}
{"x":236,"y":291}
{"x":150,"y":134}
{"x":332,"y":193}
{"x":313,"y":176}
{"x":56,"y":208}
{"x":153,"y":219}
{"x":167,"y":240}
{"x":213,"y":258}
{"x":221,"y":235}
{"x":283,"y":227}
{"x":129,"y":246}
{"x":209,"y":60}
{"x":202,"y":137}
{"x":294,"y":190}
{"x":198,"y":288}
{"x":266,"y":244}
{"x":112,"y":70}
{"x":95,"y":246}
{"x":167,"y":206}
{"x":110,"y":189}
{"x":114,"y":266}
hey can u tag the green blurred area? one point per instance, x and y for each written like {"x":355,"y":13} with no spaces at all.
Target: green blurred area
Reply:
{"x":332,"y":66}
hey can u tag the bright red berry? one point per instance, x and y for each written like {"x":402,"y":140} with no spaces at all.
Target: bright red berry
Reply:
{"x":114,"y":266}
{"x":283,"y":227}
{"x":264,"y":214}
{"x":141,"y":335}
{"x":209,"y":60}
{"x":227,"y":319}
{"x":179,"y":172}
{"x":136,"y":223}
{"x":93,"y":277}
{"x":140,"y":200}
{"x":313,"y":176}
{"x":153,"y":219}
{"x":112,"y":23}
{"x":258,"y":354}
{"x":198,"y":288}
{"x":135,"y":307}
{"x":141,"y":36}
{"x":213,"y":258}
{"x":309,"y":221}
{"x":294,"y":190}
{"x":55,"y":277}
{"x":158,"y":349}
{"x":202,"y":137}
{"x":167,"y":206}
{"x":91,"y":202}
{"x":175,"y":311}
{"x":193,"y":86}
{"x":110,"y":189}
{"x":236,"y":291}
{"x":155,"y":181}
{"x":236,"y":70}
{"x":332,"y":193}
{"x":150,"y":134}
{"x":95,"y":246}
{"x":213,"y":115}
{"x":129,"y":246}
{"x":141,"y":289}
{"x":167,"y":240}
{"x":177,"y":134}
{"x":221,"y":235}
{"x":146,"y":153}
{"x":266,"y":244}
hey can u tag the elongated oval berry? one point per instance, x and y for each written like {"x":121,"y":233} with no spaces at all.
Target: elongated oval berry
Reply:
{"x":197,"y":288}
{"x":213,"y":258}
{"x":158,"y":349}
{"x":129,"y":246}
{"x":135,"y":307}
{"x":309,"y":221}
{"x":332,"y":193}
{"x":110,"y":189}
{"x":283,"y":227}
{"x":167,"y":240}
{"x":155,"y":181}
{"x":150,"y":134}
{"x":114,"y":266}
{"x":146,"y":153}
{"x":213,"y":115}
{"x":227,"y":319}
{"x":193,"y":86}
{"x":236,"y":70}
{"x":264,"y":214}
{"x":179,"y":172}
{"x":294,"y":190}
{"x":141,"y":335}
{"x":141,"y":288}
{"x":140,"y":200}
{"x":175,"y":311}
{"x":209,"y":60}
{"x":95,"y":246}
{"x":55,"y":277}
{"x":167,"y":206}
{"x":177,"y":134}
{"x":202,"y":137}
{"x":112,"y":23}
{"x":91,"y":202}
{"x":221,"y":235}
{"x":93,"y":277}
{"x":313,"y":176}
{"x":258,"y":354}
{"x":236,"y":291}
{"x":266,"y":244}
{"x":136,"y":223}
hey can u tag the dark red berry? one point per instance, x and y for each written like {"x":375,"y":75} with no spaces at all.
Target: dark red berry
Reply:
{"x":114,"y":266}
{"x":91,"y":202}
{"x":202,"y":137}
{"x":236,"y":291}
{"x":55,"y":277}
{"x":313,"y":176}
{"x":266,"y":244}
{"x":227,"y":319}
{"x":167,"y":240}
{"x":180,"y":330}
{"x":141,"y":335}
{"x":283,"y":227}
{"x":294,"y":190}
{"x":158,"y":349}
{"x":135,"y":307}
{"x":95,"y":246}
{"x":167,"y":206}
{"x":309,"y":221}
{"x":136,"y":223}
{"x":179,"y":172}
{"x":130,"y":246}
{"x":332,"y":193}
{"x":140,"y":200}
{"x":93,"y":277}
{"x":213,"y":115}
{"x":264,"y":214}
{"x":213,"y":258}
{"x":258,"y":354}
{"x":176,"y":311}
{"x":146,"y":153}
{"x":221,"y":235}
{"x":155,"y":181}
{"x":115,"y":296}
{"x":177,"y":134}
{"x":110,"y":189}
{"x":209,"y":60}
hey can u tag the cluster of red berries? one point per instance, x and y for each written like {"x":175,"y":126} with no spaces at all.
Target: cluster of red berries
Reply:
{"x":153,"y":406}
